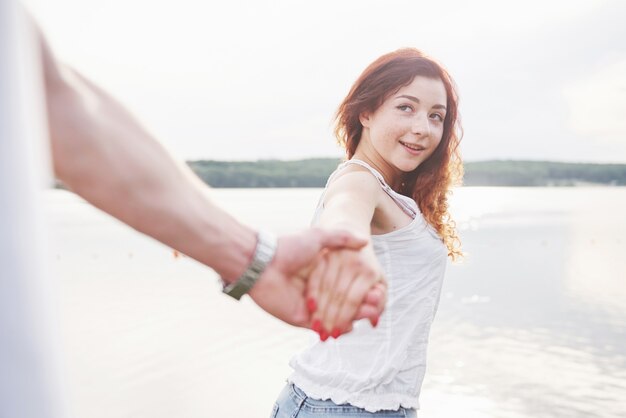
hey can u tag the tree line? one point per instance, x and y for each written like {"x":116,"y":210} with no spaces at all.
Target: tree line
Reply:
{"x":315,"y":171}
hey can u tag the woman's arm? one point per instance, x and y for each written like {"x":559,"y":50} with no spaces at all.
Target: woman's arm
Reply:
{"x":342,"y":278}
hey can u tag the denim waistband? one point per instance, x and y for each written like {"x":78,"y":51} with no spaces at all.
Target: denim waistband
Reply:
{"x":317,"y":405}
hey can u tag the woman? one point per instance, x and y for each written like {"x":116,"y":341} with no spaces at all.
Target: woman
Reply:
{"x":399,"y":126}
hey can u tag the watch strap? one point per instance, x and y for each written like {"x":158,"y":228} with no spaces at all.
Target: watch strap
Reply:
{"x":263,"y":254}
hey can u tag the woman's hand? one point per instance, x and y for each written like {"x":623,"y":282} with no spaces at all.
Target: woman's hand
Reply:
{"x":342,"y":283}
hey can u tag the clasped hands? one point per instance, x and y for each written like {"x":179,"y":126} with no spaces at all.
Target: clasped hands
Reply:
{"x":320,"y":279}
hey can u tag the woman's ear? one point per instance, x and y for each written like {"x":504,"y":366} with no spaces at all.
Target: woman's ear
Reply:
{"x":364,"y":118}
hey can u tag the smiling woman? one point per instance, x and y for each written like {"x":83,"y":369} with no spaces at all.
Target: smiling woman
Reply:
{"x":399,"y":127}
{"x":396,"y":74}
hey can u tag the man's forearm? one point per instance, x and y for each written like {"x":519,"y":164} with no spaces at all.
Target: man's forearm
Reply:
{"x":102,"y":153}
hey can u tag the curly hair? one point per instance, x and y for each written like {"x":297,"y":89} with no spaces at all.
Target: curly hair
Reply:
{"x":431,"y":182}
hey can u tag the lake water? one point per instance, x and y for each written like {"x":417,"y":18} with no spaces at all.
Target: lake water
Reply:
{"x":531,"y":323}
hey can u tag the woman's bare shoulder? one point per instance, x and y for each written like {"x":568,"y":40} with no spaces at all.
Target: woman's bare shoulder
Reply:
{"x":354,"y":175}
{"x":356,"y":181}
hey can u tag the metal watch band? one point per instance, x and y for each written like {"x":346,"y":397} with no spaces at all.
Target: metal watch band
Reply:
{"x":263,"y":254}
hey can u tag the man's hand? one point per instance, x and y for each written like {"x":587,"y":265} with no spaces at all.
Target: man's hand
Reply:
{"x":282,"y":289}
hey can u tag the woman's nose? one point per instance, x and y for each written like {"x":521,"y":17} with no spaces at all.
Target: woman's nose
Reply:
{"x":420,"y":125}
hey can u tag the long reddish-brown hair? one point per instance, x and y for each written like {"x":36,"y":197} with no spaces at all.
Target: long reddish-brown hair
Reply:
{"x":430,"y":183}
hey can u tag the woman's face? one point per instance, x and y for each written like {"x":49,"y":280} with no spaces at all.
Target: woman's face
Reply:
{"x":407,"y":127}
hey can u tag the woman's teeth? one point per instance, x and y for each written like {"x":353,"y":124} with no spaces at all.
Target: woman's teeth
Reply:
{"x":412,"y":146}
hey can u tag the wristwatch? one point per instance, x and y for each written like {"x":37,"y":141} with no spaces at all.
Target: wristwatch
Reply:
{"x":263,"y":254}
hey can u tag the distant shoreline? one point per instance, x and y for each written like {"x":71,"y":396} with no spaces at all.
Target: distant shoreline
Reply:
{"x":314,"y":172}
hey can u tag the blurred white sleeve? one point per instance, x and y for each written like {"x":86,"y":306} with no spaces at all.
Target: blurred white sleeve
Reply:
{"x":30,"y":382}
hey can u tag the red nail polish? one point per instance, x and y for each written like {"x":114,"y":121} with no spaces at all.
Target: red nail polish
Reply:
{"x":323,"y":335}
{"x":336,"y":333}
{"x":311,"y":305}
{"x":316,"y":326}
{"x":375,"y":321}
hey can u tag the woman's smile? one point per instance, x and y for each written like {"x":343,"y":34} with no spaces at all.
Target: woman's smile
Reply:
{"x":413,"y":149}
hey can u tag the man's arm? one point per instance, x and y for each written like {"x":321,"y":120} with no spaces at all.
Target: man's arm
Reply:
{"x":101,"y":152}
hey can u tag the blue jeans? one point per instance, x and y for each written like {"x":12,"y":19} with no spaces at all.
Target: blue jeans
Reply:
{"x":293,"y":402}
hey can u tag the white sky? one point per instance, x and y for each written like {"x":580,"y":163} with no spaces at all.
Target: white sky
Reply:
{"x":540,"y":79}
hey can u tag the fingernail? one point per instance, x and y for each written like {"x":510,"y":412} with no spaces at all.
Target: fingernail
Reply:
{"x":335,"y":333}
{"x":311,"y":305}
{"x":323,"y":335}
{"x":316,"y":326}
{"x":375,"y":321}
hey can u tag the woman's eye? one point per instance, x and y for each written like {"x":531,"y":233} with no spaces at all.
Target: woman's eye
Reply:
{"x":405,"y":108}
{"x":437,"y":116}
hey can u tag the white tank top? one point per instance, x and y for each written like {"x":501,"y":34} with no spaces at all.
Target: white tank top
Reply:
{"x":382,"y":368}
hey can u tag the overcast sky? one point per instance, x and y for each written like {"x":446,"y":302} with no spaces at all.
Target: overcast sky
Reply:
{"x":539,"y":79}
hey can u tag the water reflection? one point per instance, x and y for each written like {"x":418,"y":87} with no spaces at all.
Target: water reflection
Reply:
{"x":532,"y":323}
{"x":534,"y":319}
